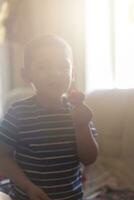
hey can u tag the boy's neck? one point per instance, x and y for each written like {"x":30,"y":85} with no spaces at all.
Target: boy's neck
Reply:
{"x":49,"y":103}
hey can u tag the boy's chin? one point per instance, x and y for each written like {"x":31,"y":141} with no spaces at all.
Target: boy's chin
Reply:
{"x":51,"y":93}
{"x":55,"y":94}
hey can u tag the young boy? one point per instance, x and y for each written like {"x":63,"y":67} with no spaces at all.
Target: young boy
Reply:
{"x":42,"y":140}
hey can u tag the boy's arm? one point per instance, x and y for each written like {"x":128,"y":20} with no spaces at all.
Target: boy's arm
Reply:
{"x":10,"y":169}
{"x":86,"y":144}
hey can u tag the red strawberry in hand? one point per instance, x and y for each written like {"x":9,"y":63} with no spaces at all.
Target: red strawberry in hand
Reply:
{"x":75,"y":97}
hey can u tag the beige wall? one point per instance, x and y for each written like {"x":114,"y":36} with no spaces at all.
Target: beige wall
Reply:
{"x":61,"y":17}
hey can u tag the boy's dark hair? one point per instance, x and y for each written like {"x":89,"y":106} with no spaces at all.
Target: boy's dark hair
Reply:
{"x":45,"y":40}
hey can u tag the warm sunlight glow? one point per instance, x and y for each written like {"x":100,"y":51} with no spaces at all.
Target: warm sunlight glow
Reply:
{"x":110,"y":44}
{"x":98,"y":54}
{"x":124,"y":43}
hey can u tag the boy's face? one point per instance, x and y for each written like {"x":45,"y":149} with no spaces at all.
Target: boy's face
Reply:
{"x":50,"y":71}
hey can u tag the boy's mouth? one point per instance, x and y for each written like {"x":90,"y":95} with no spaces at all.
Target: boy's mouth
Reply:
{"x":54,"y":84}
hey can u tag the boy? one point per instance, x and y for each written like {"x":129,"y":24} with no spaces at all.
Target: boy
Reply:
{"x":47,"y":138}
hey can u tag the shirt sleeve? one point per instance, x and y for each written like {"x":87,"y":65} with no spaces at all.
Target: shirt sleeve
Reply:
{"x":8,"y":128}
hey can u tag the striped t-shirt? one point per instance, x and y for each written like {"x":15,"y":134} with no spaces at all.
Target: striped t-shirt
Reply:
{"x":45,"y":148}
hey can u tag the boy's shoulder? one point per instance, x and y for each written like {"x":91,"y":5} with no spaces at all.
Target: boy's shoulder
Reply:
{"x":26,"y":100}
{"x":23,"y":103}
{"x":19,"y":106}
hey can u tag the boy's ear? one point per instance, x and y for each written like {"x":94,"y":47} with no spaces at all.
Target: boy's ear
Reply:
{"x":72,"y":84}
{"x":73,"y":73}
{"x":25,"y":75}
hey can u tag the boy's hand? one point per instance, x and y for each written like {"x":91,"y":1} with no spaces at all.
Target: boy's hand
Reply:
{"x":82,"y":114}
{"x":35,"y":193}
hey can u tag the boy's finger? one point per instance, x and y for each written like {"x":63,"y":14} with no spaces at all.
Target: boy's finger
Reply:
{"x":43,"y":196}
{"x":35,"y":198}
